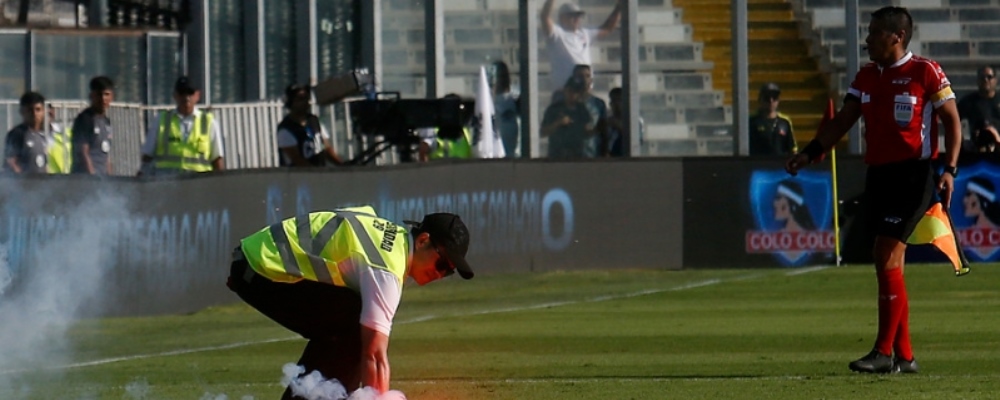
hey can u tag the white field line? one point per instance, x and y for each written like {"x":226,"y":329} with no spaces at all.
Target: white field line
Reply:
{"x":632,"y":379}
{"x":597,"y":299}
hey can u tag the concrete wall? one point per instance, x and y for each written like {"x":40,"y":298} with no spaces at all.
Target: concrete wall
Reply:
{"x":152,"y":246}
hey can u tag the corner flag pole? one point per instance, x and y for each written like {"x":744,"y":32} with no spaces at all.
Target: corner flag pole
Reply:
{"x":836,"y":206}
{"x":827,"y":117}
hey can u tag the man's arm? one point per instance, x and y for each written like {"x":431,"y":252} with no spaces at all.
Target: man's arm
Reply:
{"x":546,"y":17}
{"x":374,"y":359}
{"x":611,"y":23}
{"x":328,"y":147}
{"x":148,"y":148}
{"x":828,"y":135}
{"x":330,"y":154}
{"x":948,"y":112}
{"x":217,"y":151}
{"x":790,"y":146}
{"x":11,"y":149}
{"x":12,"y":165}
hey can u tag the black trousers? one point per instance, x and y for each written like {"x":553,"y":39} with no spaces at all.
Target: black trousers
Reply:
{"x":326,"y":315}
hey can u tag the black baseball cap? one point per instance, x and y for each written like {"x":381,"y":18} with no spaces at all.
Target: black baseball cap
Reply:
{"x":770,"y":90}
{"x":185,"y":86}
{"x":449,"y":232}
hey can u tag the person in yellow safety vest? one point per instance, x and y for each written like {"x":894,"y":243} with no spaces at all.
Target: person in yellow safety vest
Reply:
{"x":436,"y":147}
{"x":183,"y":140}
{"x":336,"y":278}
{"x":61,"y":145}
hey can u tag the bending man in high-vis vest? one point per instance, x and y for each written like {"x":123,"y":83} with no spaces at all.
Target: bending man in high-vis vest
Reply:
{"x":336,"y":278}
{"x":183,"y":140}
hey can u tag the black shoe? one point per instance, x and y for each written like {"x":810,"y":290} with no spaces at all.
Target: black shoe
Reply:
{"x":873,"y":363}
{"x":901,"y":366}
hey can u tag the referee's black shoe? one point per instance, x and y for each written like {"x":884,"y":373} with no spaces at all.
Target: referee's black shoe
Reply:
{"x":901,"y":366}
{"x":873,"y":363}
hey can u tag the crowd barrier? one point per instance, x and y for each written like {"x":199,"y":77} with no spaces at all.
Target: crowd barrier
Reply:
{"x":163,"y":244}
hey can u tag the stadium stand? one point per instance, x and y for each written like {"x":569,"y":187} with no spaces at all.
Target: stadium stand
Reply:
{"x":960,"y":34}
{"x":684,"y":113}
{"x":777,"y":53}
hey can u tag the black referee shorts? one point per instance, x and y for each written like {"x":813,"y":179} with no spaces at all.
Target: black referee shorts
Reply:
{"x":898,"y":195}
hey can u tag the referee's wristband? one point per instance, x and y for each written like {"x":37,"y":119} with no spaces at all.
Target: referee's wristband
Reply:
{"x":813,"y":150}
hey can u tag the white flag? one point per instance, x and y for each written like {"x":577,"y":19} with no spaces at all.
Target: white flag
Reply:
{"x":490,"y":144}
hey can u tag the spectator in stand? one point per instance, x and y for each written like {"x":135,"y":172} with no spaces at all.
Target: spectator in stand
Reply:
{"x":302,"y":140}
{"x":568,"y":43}
{"x":568,"y":124}
{"x":26,"y":146}
{"x":507,"y":107}
{"x":982,"y":110}
{"x":595,"y":106}
{"x":92,"y":134}
{"x":770,"y":130}
{"x":618,"y":137}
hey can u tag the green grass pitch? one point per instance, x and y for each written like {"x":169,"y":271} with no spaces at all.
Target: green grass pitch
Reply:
{"x":633,"y":334}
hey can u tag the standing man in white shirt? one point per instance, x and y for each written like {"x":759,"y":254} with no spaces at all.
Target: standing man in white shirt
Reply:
{"x":184,"y":139}
{"x":568,"y":43}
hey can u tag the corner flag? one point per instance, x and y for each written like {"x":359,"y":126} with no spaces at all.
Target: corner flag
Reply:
{"x":936,"y":228}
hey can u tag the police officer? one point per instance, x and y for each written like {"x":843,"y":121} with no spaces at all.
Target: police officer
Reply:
{"x":185,"y":139}
{"x":336,"y":278}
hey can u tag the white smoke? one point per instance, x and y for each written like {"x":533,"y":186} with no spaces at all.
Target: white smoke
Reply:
{"x":44,"y":288}
{"x":313,"y":386}
{"x":137,"y":390}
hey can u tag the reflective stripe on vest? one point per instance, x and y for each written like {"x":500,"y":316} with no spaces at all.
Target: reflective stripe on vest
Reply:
{"x":308,"y":251}
{"x":173,"y":152}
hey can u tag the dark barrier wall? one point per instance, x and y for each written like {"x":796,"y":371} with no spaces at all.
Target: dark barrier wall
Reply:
{"x":132,"y":246}
{"x":128,"y":246}
{"x":748,"y":212}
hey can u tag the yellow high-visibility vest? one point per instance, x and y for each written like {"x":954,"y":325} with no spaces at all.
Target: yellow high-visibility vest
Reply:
{"x":61,"y":151}
{"x":174,"y":152}
{"x":457,"y":148}
{"x":310,"y":246}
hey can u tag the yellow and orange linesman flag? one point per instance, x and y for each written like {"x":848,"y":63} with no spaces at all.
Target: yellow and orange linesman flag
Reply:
{"x":935,"y":228}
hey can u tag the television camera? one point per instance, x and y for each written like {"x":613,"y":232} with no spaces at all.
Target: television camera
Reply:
{"x":391,"y":120}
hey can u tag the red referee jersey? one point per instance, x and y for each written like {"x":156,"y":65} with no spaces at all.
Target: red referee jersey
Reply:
{"x":898,"y":105}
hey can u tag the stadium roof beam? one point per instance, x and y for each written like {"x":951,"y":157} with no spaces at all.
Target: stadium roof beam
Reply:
{"x":630,"y":72}
{"x":371,"y":38}
{"x":434,"y":47}
{"x":528,"y":58}
{"x":741,"y":79}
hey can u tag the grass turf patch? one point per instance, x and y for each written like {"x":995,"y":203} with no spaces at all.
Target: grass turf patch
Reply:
{"x":583,"y":335}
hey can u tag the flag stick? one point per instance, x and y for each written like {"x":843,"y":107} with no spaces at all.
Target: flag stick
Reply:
{"x":836,"y":206}
{"x":966,"y":267}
